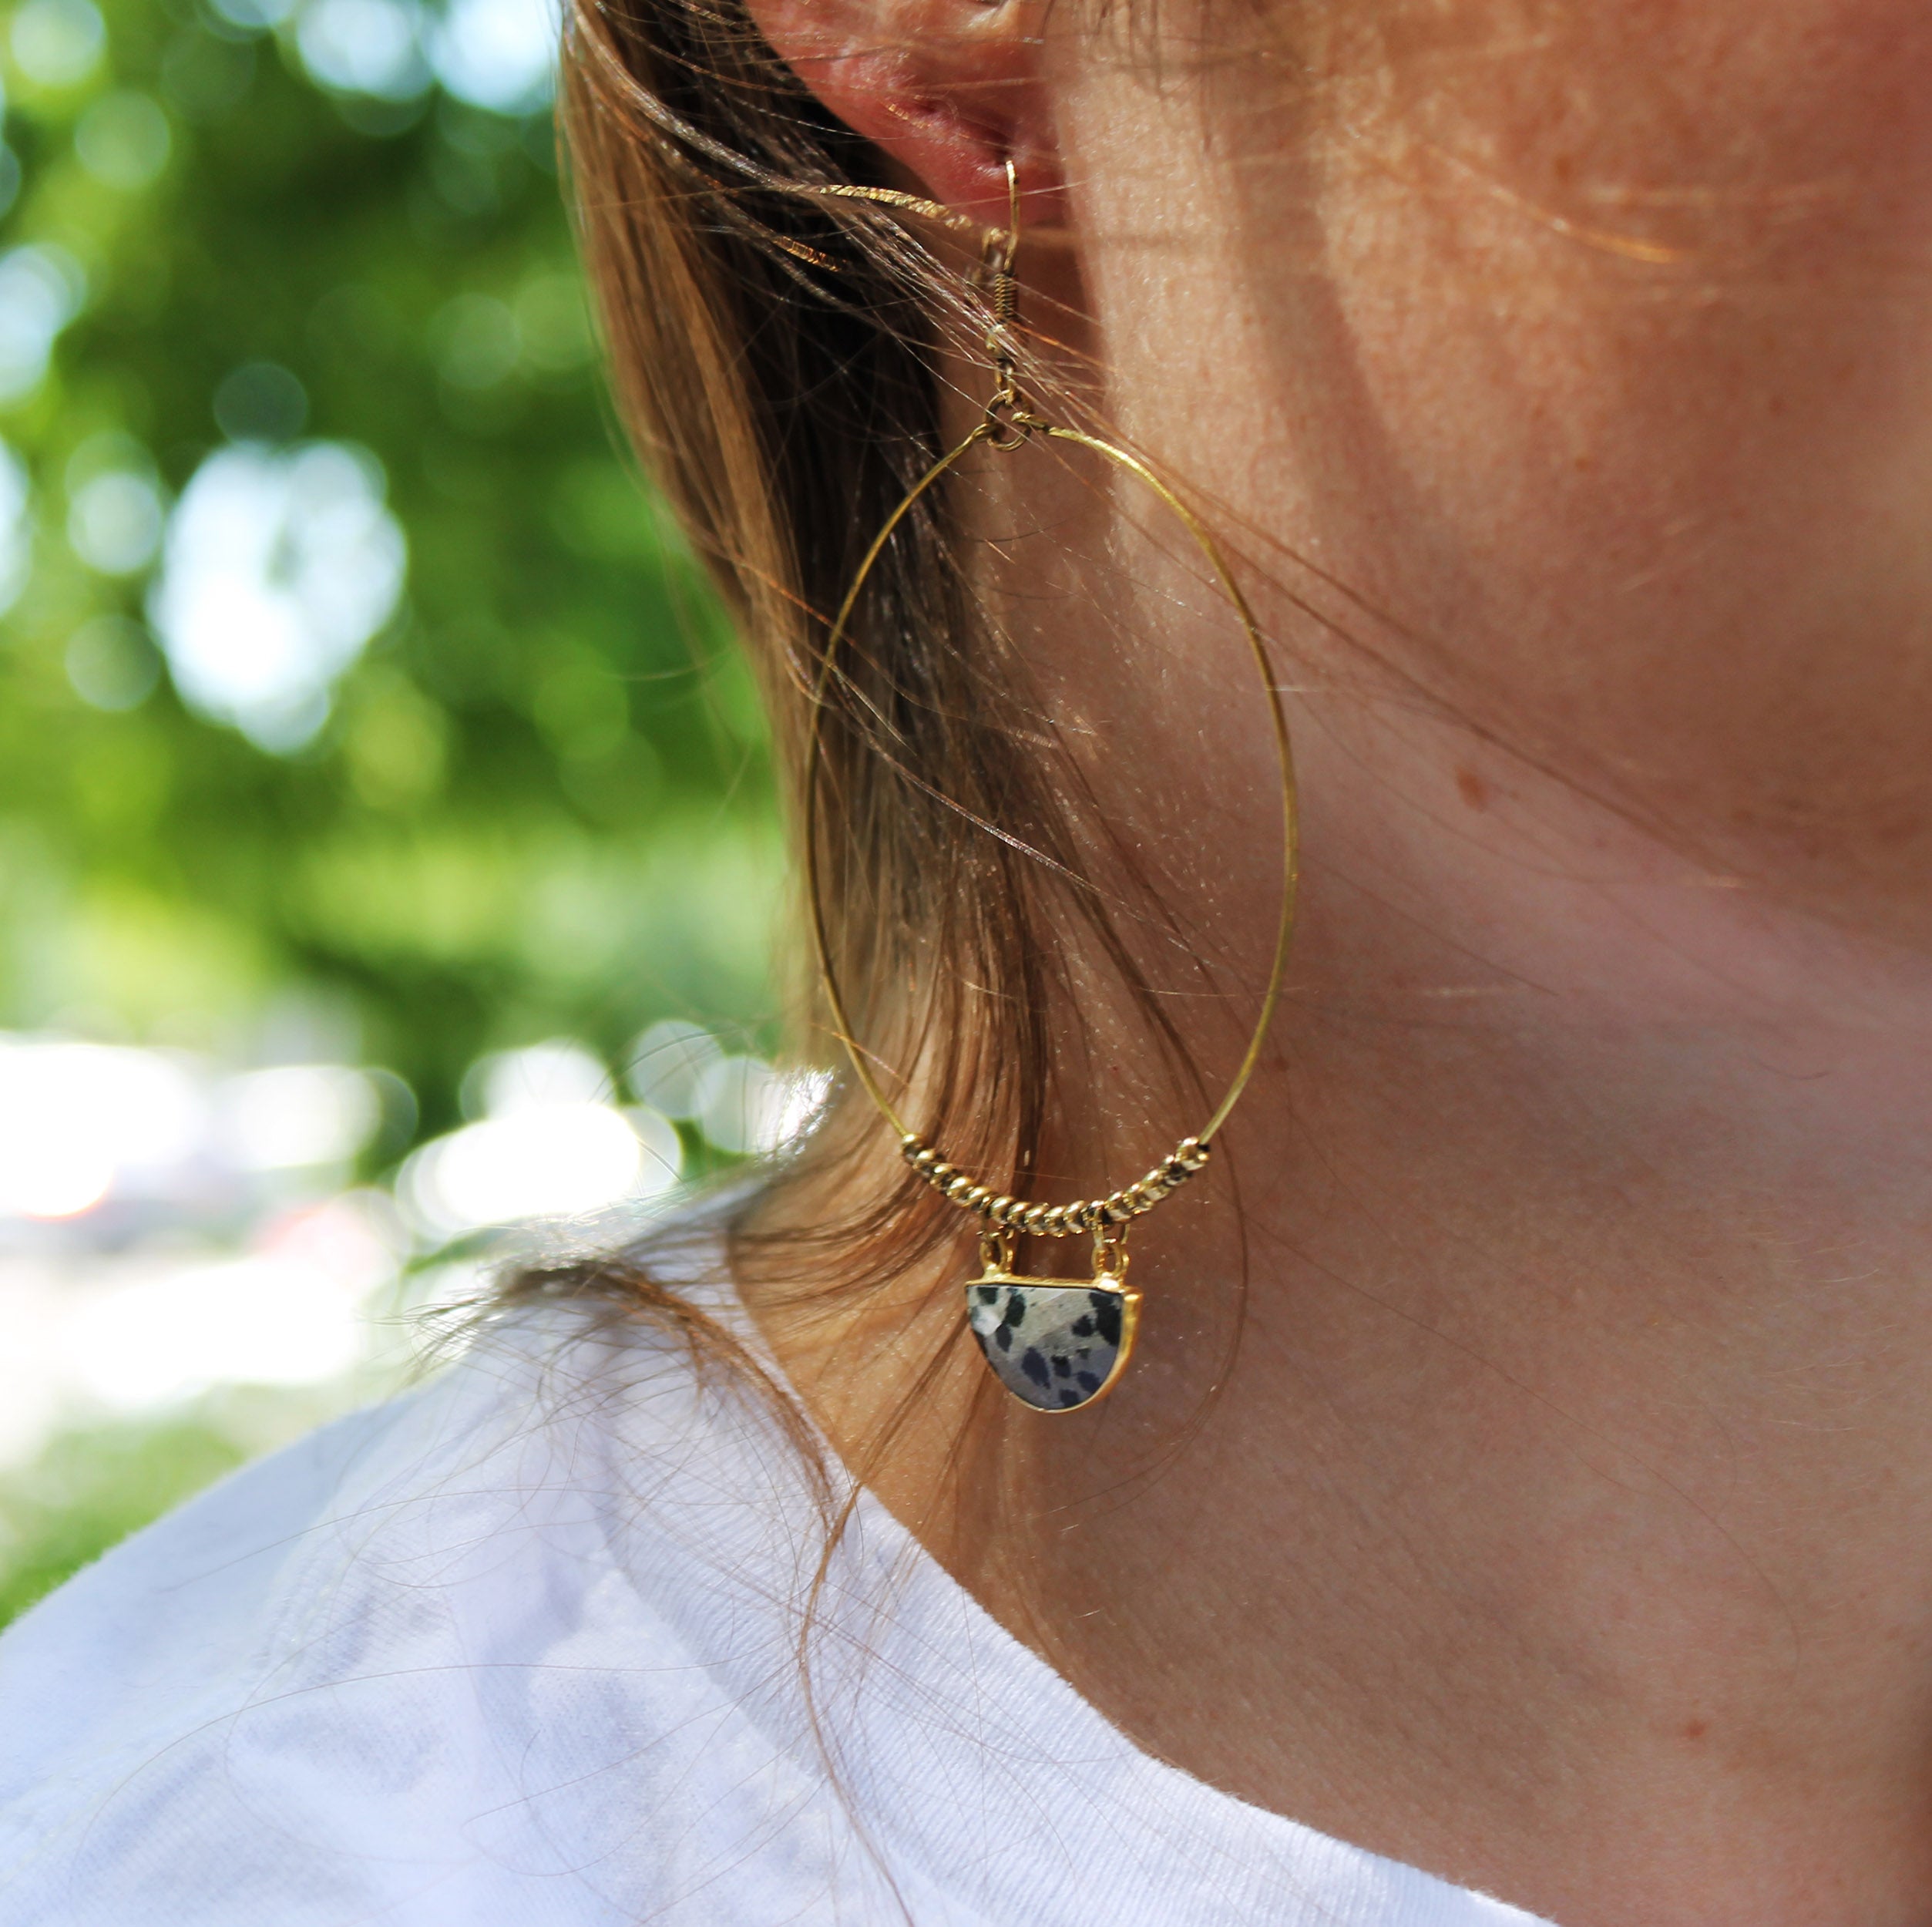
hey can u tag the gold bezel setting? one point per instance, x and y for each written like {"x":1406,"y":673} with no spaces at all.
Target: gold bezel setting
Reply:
{"x":1062,"y":1353}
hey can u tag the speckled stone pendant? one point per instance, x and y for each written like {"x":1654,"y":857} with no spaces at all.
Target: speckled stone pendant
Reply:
{"x":1056,"y":1344}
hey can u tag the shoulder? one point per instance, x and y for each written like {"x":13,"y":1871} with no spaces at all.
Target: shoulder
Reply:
{"x":412,"y":1655}
{"x":530,"y":1645}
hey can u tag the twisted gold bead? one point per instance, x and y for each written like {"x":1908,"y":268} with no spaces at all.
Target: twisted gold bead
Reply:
{"x":1055,"y":1220}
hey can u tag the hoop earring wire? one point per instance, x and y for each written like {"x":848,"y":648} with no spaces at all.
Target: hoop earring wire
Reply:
{"x":1058,"y":1345}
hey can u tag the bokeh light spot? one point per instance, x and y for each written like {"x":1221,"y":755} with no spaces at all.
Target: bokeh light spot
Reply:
{"x":667,"y":1064}
{"x":57,"y":43}
{"x":256,"y":1320}
{"x":112,"y":663}
{"x":477,"y":341}
{"x":370,"y":47}
{"x":114,"y":522}
{"x":748,"y":1107}
{"x":261,"y":402}
{"x":277,"y":569}
{"x":42,"y":289}
{"x":549,"y":1146}
{"x":498,"y":54}
{"x":254,"y":16}
{"x":73,"y":1115}
{"x":16,"y":527}
{"x":123,"y":140}
{"x":297,"y":1116}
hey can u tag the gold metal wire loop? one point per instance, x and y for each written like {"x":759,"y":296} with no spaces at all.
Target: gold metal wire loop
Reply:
{"x":1110,"y":1260}
{"x":1007,"y":424}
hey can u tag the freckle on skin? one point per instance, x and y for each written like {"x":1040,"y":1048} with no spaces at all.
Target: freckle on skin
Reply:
{"x":1696,"y":1729}
{"x":1475,"y":792}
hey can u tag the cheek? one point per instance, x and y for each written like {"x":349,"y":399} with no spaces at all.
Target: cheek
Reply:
{"x":1595,"y":354}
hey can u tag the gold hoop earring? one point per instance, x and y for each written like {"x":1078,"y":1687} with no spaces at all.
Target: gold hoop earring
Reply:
{"x":1057,"y":1344}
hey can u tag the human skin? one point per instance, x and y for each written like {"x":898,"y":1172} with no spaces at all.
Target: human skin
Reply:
{"x":1560,"y":377}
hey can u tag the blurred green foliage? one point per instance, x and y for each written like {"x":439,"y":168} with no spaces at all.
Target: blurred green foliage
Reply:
{"x":541,"y":804}
{"x":91,"y":1488}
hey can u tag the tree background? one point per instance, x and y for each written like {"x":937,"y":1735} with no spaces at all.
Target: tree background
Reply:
{"x":538,"y":804}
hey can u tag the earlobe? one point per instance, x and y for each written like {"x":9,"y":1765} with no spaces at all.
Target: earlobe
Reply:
{"x":948,"y":89}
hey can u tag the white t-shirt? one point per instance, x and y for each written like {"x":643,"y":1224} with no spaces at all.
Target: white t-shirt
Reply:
{"x":521,"y":1649}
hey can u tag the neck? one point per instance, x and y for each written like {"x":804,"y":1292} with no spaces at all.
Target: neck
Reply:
{"x":1570,"y":1526}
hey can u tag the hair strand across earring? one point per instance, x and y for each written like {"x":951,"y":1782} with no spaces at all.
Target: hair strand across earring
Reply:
{"x":1058,"y":1345}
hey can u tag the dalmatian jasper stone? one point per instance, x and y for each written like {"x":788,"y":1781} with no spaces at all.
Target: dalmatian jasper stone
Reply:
{"x":1054,"y":1345}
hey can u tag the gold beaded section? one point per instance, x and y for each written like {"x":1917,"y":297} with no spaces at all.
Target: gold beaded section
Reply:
{"x":1055,"y":1220}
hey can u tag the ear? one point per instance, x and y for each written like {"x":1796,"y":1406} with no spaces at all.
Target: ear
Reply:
{"x":948,"y":89}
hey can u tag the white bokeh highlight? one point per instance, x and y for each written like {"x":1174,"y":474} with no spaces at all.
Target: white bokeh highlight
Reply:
{"x":667,"y":1064}
{"x":77,"y":1118}
{"x":16,"y":527}
{"x":114,"y":522}
{"x":746,"y":1106}
{"x":549,"y":1145}
{"x":498,"y":54}
{"x":291,"y":1312}
{"x":371,"y":47}
{"x":42,"y":289}
{"x":296,"y":1116}
{"x":57,"y":43}
{"x":172,"y":1225}
{"x":277,"y":569}
{"x":123,"y":140}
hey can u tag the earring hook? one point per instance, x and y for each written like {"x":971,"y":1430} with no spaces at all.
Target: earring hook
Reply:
{"x":1008,"y":423}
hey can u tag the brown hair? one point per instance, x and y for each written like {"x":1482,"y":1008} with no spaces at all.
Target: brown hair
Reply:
{"x":776,"y":348}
